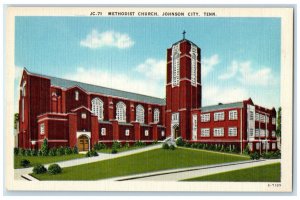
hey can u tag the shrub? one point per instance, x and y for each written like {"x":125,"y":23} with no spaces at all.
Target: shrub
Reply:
{"x":40,"y":153}
{"x":54,"y":169}
{"x":44,"y":147}
{"x":88,"y":154}
{"x":179,"y":142}
{"x":188,"y":145}
{"x":199,"y":146}
{"x":34,"y":152}
{"x":165,"y":146}
{"x":27,"y":152}
{"x":194,"y":145}
{"x":24,"y":163}
{"x":68,"y":151}
{"x":91,"y":153}
{"x":75,"y":150}
{"x":114,"y":150}
{"x":116,"y":145}
{"x":155,"y":142}
{"x":276,"y":154}
{"x":22,"y":152}
{"x":127,"y":145}
{"x":172,"y":147}
{"x":16,"y":151}
{"x":254,"y":156}
{"x":52,"y":152}
{"x":246,"y":150}
{"x":39,"y":169}
{"x":60,"y":151}
{"x":139,"y":144}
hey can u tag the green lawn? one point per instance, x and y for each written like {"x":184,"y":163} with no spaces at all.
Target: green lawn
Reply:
{"x":149,"y":161}
{"x":266,"y":173}
{"x":122,"y":149}
{"x":44,"y":159}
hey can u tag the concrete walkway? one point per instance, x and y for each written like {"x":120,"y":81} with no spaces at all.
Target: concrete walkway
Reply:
{"x":22,"y":174}
{"x":187,"y":173}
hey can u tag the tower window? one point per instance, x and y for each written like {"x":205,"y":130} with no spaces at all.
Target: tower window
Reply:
{"x":175,"y":64}
{"x":194,"y":54}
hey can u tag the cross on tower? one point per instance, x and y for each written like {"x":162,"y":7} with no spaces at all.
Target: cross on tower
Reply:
{"x":183,"y":33}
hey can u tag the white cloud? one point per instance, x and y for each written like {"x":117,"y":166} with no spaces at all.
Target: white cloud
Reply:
{"x":153,"y":69}
{"x":119,"y":81}
{"x":247,"y":75}
{"x":213,"y":95}
{"x":96,"y":40}
{"x":208,"y":64}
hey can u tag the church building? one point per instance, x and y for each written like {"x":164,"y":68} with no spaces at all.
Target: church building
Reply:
{"x":70,"y":113}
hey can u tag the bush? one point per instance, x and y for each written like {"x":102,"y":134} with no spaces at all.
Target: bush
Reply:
{"x":194,"y":145}
{"x":91,"y":153}
{"x":165,"y":146}
{"x":54,"y":169}
{"x":99,"y":146}
{"x":60,"y":151}
{"x":127,"y":145}
{"x":40,"y":153}
{"x":116,"y":145}
{"x":34,"y":152}
{"x":44,"y":148}
{"x":75,"y":150}
{"x":276,"y":154}
{"x":25,"y":163}
{"x":114,"y":150}
{"x":16,"y":151}
{"x":172,"y":147}
{"x":246,"y":150}
{"x":68,"y":151}
{"x":188,"y":145}
{"x":52,"y":152}
{"x":155,"y":142}
{"x":21,"y":152}
{"x":254,"y":156}
{"x":199,"y":145}
{"x":27,"y":152}
{"x":139,"y":144}
{"x":179,"y":142}
{"x":39,"y":169}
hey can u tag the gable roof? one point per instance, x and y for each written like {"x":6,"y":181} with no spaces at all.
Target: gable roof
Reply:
{"x":222,"y":106}
{"x":64,"y":83}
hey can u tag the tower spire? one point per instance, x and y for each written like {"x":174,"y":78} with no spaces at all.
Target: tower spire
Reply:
{"x":183,"y":34}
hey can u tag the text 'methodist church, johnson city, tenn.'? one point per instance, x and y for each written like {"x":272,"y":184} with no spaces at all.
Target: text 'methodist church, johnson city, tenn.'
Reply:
{"x":70,"y":113}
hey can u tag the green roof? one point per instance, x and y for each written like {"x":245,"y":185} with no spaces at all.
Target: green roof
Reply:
{"x":64,"y":83}
{"x":222,"y":107}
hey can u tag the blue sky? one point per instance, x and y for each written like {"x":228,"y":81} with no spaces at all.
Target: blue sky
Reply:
{"x":240,"y":56}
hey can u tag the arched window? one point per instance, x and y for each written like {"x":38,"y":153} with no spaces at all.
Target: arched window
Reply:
{"x":156,"y":116}
{"x":97,"y":108}
{"x":121,"y":112}
{"x":175,"y":65}
{"x":140,"y":114}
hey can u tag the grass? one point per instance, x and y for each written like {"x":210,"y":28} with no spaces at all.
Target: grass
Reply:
{"x":44,"y":159}
{"x":149,"y":161}
{"x":122,"y":149}
{"x":265,"y":173}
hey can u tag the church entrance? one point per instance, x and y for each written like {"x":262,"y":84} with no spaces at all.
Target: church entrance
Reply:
{"x":83,"y":143}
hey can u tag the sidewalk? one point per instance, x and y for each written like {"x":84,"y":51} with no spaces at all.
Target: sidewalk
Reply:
{"x":18,"y":173}
{"x":187,"y":173}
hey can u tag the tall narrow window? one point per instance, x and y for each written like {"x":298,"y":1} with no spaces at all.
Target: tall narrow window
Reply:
{"x":140,"y":114}
{"x":42,"y":129}
{"x":23,"y":90}
{"x":194,"y":54}
{"x":175,"y":65}
{"x":97,"y":108}
{"x":76,"y":95}
{"x":121,"y":112}
{"x":156,"y":116}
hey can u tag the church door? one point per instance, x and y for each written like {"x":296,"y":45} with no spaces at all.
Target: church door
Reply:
{"x":83,"y":143}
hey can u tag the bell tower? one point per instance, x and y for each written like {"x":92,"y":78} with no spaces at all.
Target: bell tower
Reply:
{"x":183,"y":87}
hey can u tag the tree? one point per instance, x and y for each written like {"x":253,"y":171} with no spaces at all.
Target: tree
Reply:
{"x":16,"y":120}
{"x":278,"y":129}
{"x":44,"y":148}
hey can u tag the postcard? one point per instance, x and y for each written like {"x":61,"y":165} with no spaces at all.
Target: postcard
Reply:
{"x":149,"y":99}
